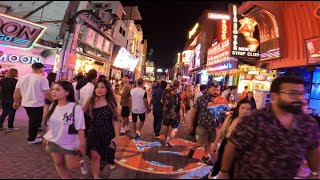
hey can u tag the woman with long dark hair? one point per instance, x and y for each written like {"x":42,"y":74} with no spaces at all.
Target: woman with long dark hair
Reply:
{"x":103,"y":111}
{"x":244,"y":108}
{"x":250,"y":97}
{"x":63,"y":144}
{"x":51,"y":79}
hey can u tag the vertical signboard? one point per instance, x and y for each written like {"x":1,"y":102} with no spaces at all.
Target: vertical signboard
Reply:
{"x":244,"y":39}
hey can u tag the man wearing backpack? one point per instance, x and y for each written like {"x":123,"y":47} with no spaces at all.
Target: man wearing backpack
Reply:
{"x":172,"y":103}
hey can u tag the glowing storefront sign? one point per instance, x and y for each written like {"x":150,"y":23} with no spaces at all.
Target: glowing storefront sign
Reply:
{"x":222,"y":66}
{"x":149,"y":70}
{"x":223,"y":30}
{"x":19,"y":58}
{"x":18,"y":32}
{"x":246,"y":44}
{"x":187,"y":56}
{"x":218,"y":16}
{"x":125,"y":60}
{"x":204,"y":77}
{"x":159,"y":70}
{"x":218,"y":53}
{"x":194,"y":29}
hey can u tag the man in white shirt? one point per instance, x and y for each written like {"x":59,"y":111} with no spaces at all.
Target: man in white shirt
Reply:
{"x":30,"y":92}
{"x":86,"y":93}
{"x":138,"y":103}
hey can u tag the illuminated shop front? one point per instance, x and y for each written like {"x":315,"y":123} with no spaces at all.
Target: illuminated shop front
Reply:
{"x":220,"y":65}
{"x":124,"y":63}
{"x":87,"y":58}
{"x":18,"y":49}
{"x":21,"y":59}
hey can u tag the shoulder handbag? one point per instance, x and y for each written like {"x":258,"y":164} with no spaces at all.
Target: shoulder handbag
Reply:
{"x":72,"y":128}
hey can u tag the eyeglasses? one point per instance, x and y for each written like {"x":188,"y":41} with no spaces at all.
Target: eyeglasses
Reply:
{"x":294,"y":94}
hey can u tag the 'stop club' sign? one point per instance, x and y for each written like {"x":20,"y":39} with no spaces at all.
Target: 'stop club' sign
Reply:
{"x":18,"y":32}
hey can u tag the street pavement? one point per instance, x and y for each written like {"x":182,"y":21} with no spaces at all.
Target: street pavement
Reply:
{"x":141,"y":158}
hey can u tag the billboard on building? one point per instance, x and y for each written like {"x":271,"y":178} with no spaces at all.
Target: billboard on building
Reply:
{"x":187,"y":56}
{"x":313,"y":50}
{"x":18,"y":32}
{"x":197,"y":53}
{"x":125,"y":60}
{"x":244,"y":38}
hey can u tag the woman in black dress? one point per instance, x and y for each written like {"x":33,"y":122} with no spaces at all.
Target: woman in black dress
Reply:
{"x":102,"y":109}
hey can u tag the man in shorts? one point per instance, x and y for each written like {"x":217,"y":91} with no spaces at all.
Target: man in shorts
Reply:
{"x":125,"y":111}
{"x":207,"y":123}
{"x":172,"y":103}
{"x":139,"y":106}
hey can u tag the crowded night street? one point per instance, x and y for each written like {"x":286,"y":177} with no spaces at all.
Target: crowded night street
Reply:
{"x":160,"y":90}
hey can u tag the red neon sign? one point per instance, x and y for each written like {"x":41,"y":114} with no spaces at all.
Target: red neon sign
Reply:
{"x":18,"y":32}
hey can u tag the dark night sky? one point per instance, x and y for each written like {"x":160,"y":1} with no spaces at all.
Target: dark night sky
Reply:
{"x":165,"y":24}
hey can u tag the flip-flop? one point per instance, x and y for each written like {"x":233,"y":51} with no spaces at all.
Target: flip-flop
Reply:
{"x":112,"y":166}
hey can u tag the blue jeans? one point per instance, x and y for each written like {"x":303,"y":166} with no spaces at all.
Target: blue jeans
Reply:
{"x":7,"y":107}
{"x":157,"y":122}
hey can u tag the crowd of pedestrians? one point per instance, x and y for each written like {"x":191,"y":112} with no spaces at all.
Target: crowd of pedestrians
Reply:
{"x":82,"y":119}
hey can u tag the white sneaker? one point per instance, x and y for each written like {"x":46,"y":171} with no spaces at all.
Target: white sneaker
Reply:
{"x":84,"y":168}
{"x":36,"y":141}
{"x":127,"y":128}
{"x":12,"y":129}
{"x":123,"y":130}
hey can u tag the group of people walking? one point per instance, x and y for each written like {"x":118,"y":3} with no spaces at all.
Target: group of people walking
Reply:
{"x":82,"y":118}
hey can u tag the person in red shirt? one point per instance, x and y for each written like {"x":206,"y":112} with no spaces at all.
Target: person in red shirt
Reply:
{"x":244,"y":93}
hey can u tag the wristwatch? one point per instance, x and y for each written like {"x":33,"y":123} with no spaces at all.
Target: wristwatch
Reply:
{"x":315,"y":173}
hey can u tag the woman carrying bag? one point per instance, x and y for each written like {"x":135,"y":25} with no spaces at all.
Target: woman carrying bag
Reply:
{"x":243,"y":108}
{"x":65,"y":136}
{"x":105,"y":127}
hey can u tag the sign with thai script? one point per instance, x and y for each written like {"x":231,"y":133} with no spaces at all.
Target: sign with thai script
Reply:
{"x":244,"y":39}
{"x":218,"y":16}
{"x":223,"y":66}
{"x":18,"y":32}
{"x":218,"y":53}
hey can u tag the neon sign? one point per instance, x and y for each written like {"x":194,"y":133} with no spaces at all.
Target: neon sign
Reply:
{"x":218,"y":53}
{"x":194,"y":29}
{"x":17,"y":58}
{"x":245,"y":39}
{"x":223,"y":30}
{"x":218,"y":16}
{"x":18,"y":32}
{"x":223,"y":66}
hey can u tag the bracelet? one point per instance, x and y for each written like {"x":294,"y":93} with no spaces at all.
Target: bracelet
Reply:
{"x":224,"y":171}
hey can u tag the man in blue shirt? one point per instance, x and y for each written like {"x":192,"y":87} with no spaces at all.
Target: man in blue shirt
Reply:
{"x":157,"y":108}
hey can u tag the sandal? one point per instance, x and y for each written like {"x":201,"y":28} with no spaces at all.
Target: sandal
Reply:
{"x":112,"y":166}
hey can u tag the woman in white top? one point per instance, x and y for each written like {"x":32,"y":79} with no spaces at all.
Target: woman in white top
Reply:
{"x":64,"y":144}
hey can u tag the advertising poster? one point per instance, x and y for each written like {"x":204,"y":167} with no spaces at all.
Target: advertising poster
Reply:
{"x":244,"y":38}
{"x":313,"y":50}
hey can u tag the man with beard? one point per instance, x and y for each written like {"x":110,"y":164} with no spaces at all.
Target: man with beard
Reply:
{"x":207,"y":123}
{"x":273,"y":142}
